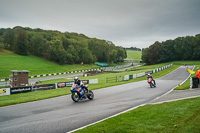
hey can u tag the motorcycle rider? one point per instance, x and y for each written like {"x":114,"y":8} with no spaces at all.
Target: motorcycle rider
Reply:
{"x":78,"y":82}
{"x":149,"y":76}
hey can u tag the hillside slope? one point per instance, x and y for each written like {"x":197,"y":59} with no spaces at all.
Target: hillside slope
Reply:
{"x":35,"y":65}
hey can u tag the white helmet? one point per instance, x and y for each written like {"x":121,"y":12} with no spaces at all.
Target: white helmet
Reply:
{"x":75,"y":78}
{"x":149,"y":74}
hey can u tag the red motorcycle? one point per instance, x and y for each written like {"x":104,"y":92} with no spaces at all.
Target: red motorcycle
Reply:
{"x":150,"y":81}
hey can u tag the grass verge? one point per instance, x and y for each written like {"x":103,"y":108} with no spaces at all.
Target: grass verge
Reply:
{"x":181,"y":117}
{"x":35,"y":65}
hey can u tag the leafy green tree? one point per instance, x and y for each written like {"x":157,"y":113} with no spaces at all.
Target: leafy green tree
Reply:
{"x":196,"y":48}
{"x":181,"y":48}
{"x":9,"y":39}
{"x":37,"y":45}
{"x":168,"y":52}
{"x":121,"y":53}
{"x":155,"y":52}
{"x":62,"y":48}
{"x":21,"y":42}
{"x":72,"y":56}
{"x":145,"y":57}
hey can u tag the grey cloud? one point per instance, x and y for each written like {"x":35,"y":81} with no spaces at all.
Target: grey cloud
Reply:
{"x":125,"y":22}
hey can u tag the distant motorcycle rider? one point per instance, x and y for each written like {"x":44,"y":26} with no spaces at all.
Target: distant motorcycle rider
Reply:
{"x":149,"y":76}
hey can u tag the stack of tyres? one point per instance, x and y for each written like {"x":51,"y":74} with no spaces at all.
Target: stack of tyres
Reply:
{"x":195,"y":82}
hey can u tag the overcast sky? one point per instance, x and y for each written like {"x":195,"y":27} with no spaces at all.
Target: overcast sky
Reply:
{"x":127,"y":23}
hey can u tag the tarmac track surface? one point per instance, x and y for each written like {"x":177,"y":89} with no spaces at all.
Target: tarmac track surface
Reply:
{"x":61,"y":114}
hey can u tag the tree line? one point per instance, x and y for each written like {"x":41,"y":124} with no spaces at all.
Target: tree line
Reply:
{"x":179,"y":49}
{"x":62,"y":48}
{"x":134,"y":49}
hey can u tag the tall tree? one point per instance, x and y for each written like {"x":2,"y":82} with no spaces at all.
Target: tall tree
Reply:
{"x":9,"y":39}
{"x":22,"y":42}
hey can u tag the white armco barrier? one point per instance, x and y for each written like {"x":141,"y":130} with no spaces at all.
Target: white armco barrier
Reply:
{"x":126,"y":77}
{"x":154,"y":71}
{"x":3,"y":80}
{"x":134,"y":76}
{"x":140,"y":74}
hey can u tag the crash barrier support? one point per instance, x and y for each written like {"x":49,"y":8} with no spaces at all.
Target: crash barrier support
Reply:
{"x":10,"y":91}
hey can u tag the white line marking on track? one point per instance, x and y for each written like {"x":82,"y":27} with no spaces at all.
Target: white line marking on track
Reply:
{"x":175,"y":100}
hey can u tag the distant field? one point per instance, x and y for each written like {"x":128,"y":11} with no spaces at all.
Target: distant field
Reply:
{"x":35,"y":65}
{"x":134,"y":55}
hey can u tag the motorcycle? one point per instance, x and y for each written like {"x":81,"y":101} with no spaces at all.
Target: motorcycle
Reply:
{"x":81,"y":92}
{"x":151,"y":83}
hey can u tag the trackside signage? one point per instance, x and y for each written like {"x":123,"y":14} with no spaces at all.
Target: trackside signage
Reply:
{"x":69,"y":84}
{"x":20,"y":90}
{"x":64,"y":84}
{"x":43,"y":87}
{"x":10,"y":91}
{"x":5,"y":91}
{"x":60,"y":85}
{"x":85,"y":81}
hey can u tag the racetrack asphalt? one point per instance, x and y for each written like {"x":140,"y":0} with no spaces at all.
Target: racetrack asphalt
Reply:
{"x":177,"y":95}
{"x":61,"y":114}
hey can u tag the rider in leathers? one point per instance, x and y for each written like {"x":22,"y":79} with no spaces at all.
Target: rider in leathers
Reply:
{"x":78,"y":82}
{"x":149,"y":76}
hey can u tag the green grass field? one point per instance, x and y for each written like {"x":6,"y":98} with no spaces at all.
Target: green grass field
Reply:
{"x":35,"y":65}
{"x":175,"y":117}
{"x":134,"y":55}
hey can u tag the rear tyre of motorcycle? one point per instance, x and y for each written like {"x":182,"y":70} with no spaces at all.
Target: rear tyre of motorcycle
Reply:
{"x":75,"y":98}
{"x":90,"y":95}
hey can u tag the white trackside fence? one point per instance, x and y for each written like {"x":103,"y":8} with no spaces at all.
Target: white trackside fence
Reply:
{"x":127,"y":77}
